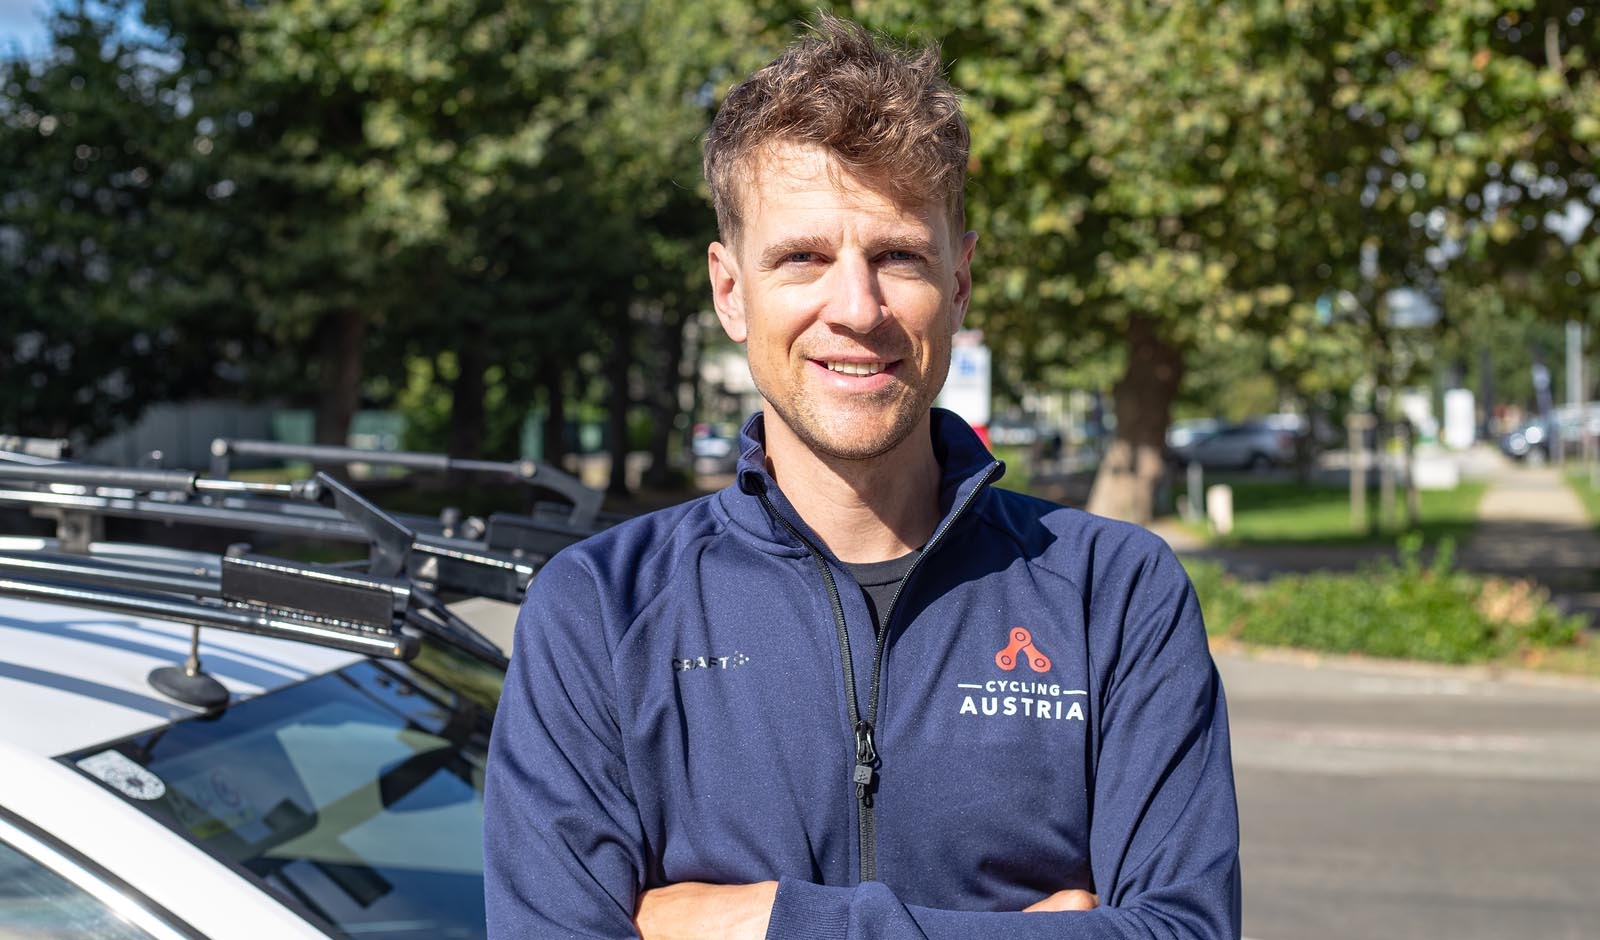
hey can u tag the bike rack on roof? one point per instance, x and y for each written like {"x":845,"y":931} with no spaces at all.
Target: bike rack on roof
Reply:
{"x":33,"y":450}
{"x":251,"y":594}
{"x":80,"y":497}
{"x":360,"y":611}
{"x":262,"y":596}
{"x":585,"y":501}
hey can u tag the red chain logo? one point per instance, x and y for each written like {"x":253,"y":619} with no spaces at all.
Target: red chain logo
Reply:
{"x":1021,"y":642}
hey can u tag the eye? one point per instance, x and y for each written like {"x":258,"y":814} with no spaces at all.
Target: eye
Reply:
{"x":901,"y":255}
{"x":800,"y":257}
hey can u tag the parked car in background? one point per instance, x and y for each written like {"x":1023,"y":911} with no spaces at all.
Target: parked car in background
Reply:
{"x":1039,"y":437}
{"x":1255,"y":444}
{"x":1187,"y":432}
{"x":1528,"y":441}
{"x":1535,"y":438}
{"x":714,"y":449}
{"x":1021,"y":432}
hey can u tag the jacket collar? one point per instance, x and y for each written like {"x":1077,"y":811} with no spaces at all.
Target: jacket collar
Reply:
{"x":964,"y":465}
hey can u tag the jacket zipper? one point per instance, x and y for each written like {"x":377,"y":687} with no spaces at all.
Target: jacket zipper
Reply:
{"x":867,"y":762}
{"x":866,"y":757}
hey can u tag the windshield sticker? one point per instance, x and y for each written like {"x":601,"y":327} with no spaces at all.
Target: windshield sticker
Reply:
{"x":123,"y":775}
{"x":210,"y":804}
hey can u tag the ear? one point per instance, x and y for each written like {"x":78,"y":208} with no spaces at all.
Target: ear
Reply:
{"x":725,"y":293}
{"x":963,"y":295}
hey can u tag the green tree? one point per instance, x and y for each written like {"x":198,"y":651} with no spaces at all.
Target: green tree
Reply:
{"x":1153,"y":180}
{"x":330,"y":198}
{"x":103,"y":307}
{"x":367,"y":147}
{"x":503,"y":191}
{"x":648,"y":100}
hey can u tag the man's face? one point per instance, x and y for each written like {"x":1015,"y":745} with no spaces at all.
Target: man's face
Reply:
{"x":847,"y":300}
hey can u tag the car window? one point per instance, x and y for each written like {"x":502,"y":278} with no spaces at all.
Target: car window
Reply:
{"x":40,"y":904}
{"x":356,"y":798}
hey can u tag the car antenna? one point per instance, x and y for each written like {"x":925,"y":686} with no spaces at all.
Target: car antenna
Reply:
{"x":359,"y":612}
{"x":188,"y":683}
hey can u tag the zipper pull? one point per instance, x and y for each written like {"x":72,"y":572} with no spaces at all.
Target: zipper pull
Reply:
{"x":866,"y":756}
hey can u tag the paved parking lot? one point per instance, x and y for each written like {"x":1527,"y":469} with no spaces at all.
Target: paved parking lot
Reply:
{"x":1409,"y":802}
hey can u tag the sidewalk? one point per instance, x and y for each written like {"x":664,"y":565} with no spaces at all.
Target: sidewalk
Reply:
{"x":1530,"y":525}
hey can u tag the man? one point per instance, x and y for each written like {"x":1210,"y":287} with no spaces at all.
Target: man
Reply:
{"x":861,"y":692}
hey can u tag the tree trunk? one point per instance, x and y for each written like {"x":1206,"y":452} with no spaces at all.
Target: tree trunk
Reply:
{"x":665,"y":397}
{"x":467,"y":393}
{"x":1133,"y":467}
{"x":340,"y":340}
{"x":617,"y":405}
{"x":553,"y":436}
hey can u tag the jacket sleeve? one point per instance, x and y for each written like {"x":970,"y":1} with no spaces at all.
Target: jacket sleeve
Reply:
{"x":1164,"y":837}
{"x":562,"y":844}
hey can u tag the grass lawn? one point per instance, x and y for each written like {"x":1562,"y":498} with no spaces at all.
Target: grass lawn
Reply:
{"x":1580,"y":482}
{"x":1276,"y":512}
{"x":1018,"y":469}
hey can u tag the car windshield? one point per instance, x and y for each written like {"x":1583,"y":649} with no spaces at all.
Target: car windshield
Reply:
{"x":355,"y":797}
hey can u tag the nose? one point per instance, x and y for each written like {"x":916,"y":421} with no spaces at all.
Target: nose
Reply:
{"x":855,"y":301}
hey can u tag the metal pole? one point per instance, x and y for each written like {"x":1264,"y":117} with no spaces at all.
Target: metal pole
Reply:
{"x":1197,"y":483}
{"x":1574,"y":380}
{"x":1357,"y":426}
{"x":1574,"y":363}
{"x":1387,"y":513}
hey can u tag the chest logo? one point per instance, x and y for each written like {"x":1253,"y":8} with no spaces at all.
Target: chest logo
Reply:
{"x":1022,"y":698}
{"x":691,"y":663}
{"x":1021,"y":645}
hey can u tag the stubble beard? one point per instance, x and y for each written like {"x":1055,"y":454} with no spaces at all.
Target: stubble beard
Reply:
{"x":856,"y":432}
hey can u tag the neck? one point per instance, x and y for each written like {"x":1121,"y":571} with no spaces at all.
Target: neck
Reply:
{"x":864,"y":510}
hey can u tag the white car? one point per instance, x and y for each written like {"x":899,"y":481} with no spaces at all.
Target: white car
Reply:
{"x":325,"y":792}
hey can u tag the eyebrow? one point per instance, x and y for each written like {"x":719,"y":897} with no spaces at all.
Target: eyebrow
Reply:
{"x":773,"y":254}
{"x":918,"y":246}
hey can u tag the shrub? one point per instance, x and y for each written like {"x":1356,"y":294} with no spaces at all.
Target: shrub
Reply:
{"x":1223,"y":600}
{"x":1402,"y":609}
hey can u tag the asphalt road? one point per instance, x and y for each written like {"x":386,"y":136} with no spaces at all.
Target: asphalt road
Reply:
{"x":1403,"y":802}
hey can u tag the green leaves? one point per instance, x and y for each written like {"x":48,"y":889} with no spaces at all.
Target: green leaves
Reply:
{"x":1397,"y":609}
{"x":97,"y":314}
{"x":529,"y":171}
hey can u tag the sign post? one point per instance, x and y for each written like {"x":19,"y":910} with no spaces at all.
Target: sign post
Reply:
{"x":966,"y":390}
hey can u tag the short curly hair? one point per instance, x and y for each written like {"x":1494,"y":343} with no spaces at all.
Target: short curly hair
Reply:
{"x":887,"y":115}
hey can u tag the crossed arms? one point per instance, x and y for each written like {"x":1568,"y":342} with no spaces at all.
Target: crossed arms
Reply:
{"x":565,"y":855}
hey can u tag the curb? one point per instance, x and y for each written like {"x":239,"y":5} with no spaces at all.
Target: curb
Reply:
{"x":1410,"y":668}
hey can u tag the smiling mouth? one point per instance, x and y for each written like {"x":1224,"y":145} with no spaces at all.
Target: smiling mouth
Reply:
{"x":856,"y":368}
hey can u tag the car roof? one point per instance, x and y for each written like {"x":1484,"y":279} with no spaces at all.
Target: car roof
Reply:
{"x":72,"y":677}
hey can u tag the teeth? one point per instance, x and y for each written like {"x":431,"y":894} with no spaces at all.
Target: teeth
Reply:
{"x":857,"y":368}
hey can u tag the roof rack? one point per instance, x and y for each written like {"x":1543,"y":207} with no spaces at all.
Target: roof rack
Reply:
{"x":33,"y":450}
{"x":79,"y":497}
{"x":262,"y":596}
{"x":585,"y":501}
{"x":250,"y":594}
{"x":331,"y":605}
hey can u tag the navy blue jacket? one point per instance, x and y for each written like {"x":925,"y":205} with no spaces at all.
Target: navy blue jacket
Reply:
{"x":699,"y":695}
